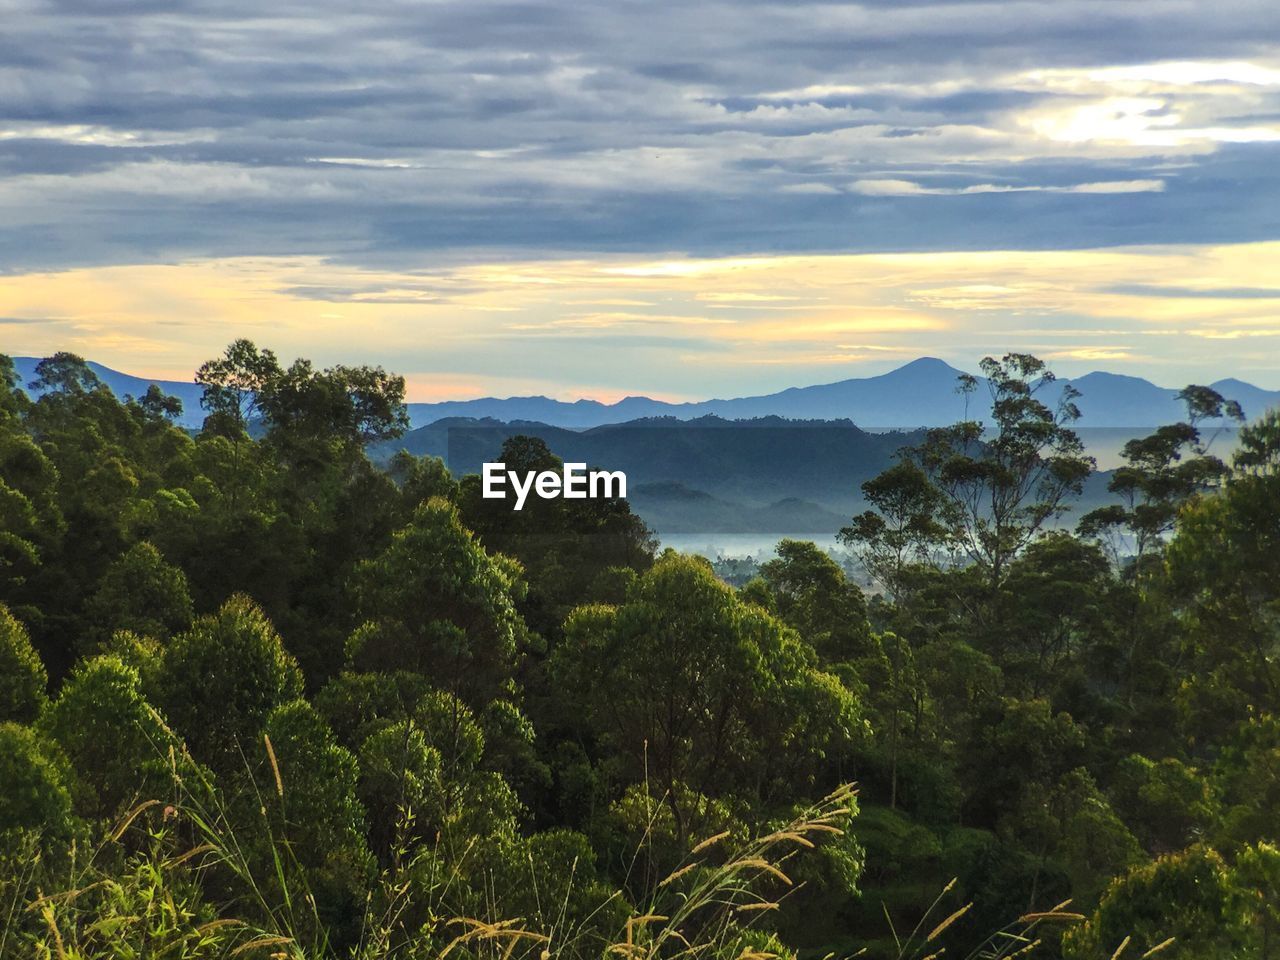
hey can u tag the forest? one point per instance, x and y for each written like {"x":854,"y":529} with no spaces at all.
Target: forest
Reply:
{"x":263,"y":697}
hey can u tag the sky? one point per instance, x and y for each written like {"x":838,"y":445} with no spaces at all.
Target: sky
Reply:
{"x":610,"y":197}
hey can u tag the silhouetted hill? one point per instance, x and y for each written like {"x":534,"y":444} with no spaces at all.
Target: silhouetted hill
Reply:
{"x":921,"y":393}
{"x":708,"y":475}
{"x":753,"y":463}
{"x":123,"y":384}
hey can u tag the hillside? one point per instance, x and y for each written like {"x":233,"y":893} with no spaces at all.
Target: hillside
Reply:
{"x":921,"y":393}
{"x":708,"y":475}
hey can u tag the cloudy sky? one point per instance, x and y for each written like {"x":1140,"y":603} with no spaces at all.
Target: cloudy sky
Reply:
{"x":602,"y":197}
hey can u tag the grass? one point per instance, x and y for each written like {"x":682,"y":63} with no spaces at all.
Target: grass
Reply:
{"x":177,"y":881}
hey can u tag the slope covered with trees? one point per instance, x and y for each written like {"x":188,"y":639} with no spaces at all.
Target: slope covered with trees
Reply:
{"x":262,"y":698}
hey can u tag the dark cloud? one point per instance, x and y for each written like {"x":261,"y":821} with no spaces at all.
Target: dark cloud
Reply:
{"x":134,"y":130}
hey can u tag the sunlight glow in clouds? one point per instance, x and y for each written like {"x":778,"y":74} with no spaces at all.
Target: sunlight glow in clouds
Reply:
{"x":671,"y":198}
{"x":673,"y":327}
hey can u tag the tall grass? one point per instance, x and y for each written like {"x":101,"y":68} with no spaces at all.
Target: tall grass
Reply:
{"x":143,"y":892}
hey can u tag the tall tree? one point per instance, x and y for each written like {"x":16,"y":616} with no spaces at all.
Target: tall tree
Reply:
{"x":1162,"y":472}
{"x":22,"y":675}
{"x":1002,"y":483}
{"x":435,"y":602}
{"x":234,"y":384}
{"x":65,"y":374}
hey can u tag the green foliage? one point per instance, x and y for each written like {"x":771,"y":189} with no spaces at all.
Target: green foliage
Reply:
{"x":347,"y":404}
{"x":120,"y":747}
{"x":219,"y":681}
{"x":442,"y":727}
{"x":813,"y":597}
{"x":1257,"y":875}
{"x":998,"y":487}
{"x":1187,"y":897}
{"x":689,"y":683}
{"x":355,"y":703}
{"x":421,"y":478}
{"x":37,"y":785}
{"x":234,"y":383}
{"x":22,"y":675}
{"x":305,"y":785}
{"x":1167,"y":803}
{"x":143,"y":594}
{"x":65,"y":373}
{"x":435,"y":602}
{"x":148,"y":904}
{"x":1247,"y":778}
{"x":905,"y":528}
{"x":566,"y":546}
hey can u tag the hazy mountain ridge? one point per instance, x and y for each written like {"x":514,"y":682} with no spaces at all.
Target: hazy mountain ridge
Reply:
{"x":707,"y":475}
{"x":124,"y":384}
{"x":921,"y":393}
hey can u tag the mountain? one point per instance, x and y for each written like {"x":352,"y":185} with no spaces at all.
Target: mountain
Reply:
{"x":707,"y":475}
{"x":768,"y":475}
{"x":123,"y":384}
{"x":919,"y":394}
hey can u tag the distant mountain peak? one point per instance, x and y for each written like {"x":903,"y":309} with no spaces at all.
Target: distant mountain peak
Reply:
{"x":925,"y":363}
{"x":919,"y":393}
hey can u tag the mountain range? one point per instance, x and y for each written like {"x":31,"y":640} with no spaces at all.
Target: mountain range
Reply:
{"x":919,"y":394}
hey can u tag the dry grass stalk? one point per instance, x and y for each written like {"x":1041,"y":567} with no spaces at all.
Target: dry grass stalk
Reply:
{"x":275,"y":767}
{"x":937,"y":931}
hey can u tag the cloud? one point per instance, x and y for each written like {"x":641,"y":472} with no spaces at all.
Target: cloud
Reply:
{"x":908,"y":188}
{"x":134,"y":133}
{"x":566,"y":197}
{"x":1196,"y":293}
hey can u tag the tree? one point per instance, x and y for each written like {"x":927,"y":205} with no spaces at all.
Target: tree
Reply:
{"x":157,"y":406}
{"x":350,"y":405}
{"x":1186,"y":897}
{"x":12,"y":398}
{"x":357,"y":704}
{"x":1165,"y":802}
{"x":701,"y":690}
{"x":22,"y":675}
{"x":1257,"y":874}
{"x":233,"y":386}
{"x":304,"y":800}
{"x":220,"y":680}
{"x":897,"y":700}
{"x":436,"y":603}
{"x":1246,"y":776}
{"x":814,"y":597}
{"x":1000,"y":486}
{"x":1225,"y":570}
{"x":65,"y":374}
{"x":1013,"y":746}
{"x":421,"y":478}
{"x":1070,"y":826}
{"x":141,"y":593}
{"x":36,"y":785}
{"x":1162,"y":472}
{"x":29,"y":519}
{"x":564,"y":545}
{"x":116,"y":741}
{"x":1056,"y":610}
{"x":905,"y":529}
